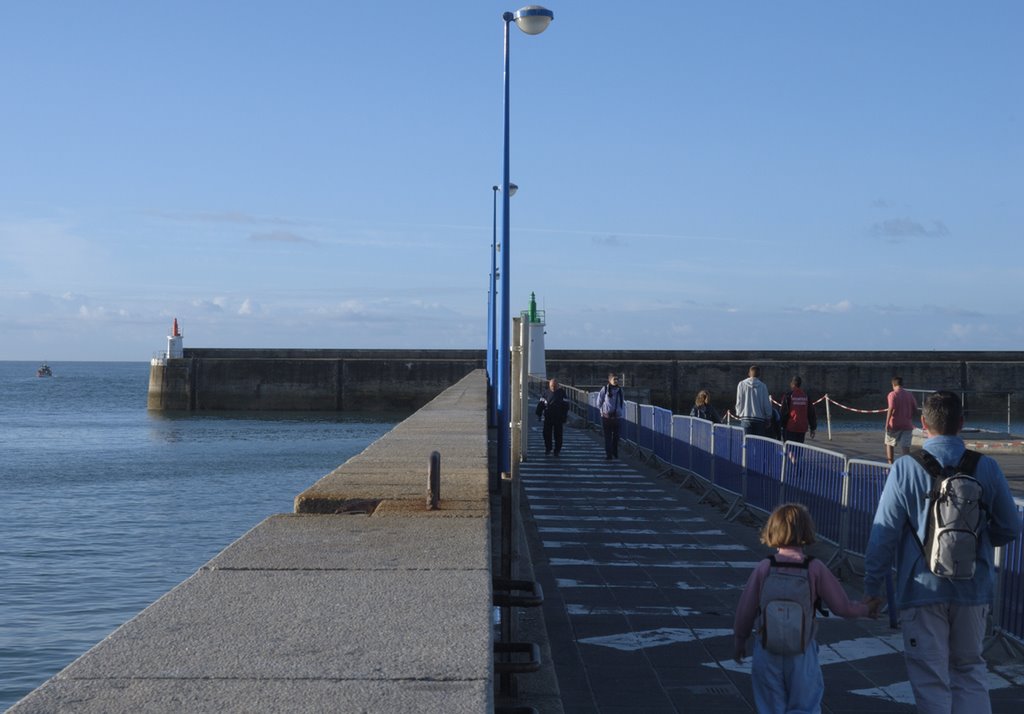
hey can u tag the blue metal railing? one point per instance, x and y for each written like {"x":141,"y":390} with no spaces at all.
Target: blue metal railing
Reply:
{"x":645,"y":427}
{"x":760,"y":473}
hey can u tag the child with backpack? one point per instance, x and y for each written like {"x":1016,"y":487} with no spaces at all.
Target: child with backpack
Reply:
{"x":779,"y":601}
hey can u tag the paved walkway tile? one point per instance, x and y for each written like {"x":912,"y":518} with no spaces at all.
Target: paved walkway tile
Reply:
{"x":641,"y":583}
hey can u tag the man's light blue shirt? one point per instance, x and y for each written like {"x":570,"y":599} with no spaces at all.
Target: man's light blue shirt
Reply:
{"x":903,"y":510}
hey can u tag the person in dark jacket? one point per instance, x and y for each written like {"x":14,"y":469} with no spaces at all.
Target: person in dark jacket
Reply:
{"x":554,"y":406}
{"x":702,"y":408}
{"x":798,"y":417}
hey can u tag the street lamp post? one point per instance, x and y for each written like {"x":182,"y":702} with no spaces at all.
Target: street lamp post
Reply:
{"x":532,"y":19}
{"x":492,"y":306}
{"x":490,"y":359}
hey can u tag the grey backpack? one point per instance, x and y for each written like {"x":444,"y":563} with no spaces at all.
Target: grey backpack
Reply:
{"x":786,"y":612}
{"x":955,"y":516}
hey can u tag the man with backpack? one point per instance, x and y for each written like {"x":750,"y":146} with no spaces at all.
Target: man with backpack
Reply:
{"x":612,"y":405}
{"x":940,"y":518}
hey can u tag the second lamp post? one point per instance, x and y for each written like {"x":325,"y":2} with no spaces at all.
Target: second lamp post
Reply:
{"x":532,"y":19}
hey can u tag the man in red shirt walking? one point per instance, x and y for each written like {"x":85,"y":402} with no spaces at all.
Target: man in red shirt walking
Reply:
{"x":899,"y":420}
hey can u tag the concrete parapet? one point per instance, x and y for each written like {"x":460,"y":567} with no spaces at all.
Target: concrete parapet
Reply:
{"x":311,"y":613}
{"x":306,"y":380}
{"x":861,"y":379}
{"x":393,"y":470}
{"x":403,"y":380}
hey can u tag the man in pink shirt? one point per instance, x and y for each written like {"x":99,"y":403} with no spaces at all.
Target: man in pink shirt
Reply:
{"x":899,"y":420}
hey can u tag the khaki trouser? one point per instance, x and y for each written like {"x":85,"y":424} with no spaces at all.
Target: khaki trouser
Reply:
{"x":943,"y":644}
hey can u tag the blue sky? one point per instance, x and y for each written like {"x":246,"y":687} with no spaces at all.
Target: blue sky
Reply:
{"x":729,"y":175}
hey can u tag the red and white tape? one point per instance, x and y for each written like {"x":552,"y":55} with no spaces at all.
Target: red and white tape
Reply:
{"x":851,"y":409}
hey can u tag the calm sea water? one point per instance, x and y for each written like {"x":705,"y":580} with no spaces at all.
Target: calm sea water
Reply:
{"x":104,"y":506}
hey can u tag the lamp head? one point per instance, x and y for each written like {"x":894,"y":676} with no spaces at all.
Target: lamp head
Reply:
{"x":533,"y":19}
{"x":512,"y":188}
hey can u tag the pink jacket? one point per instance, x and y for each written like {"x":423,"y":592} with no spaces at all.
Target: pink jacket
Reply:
{"x":823,"y":585}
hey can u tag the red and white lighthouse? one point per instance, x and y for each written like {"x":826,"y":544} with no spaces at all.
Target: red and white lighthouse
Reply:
{"x":175,"y":346}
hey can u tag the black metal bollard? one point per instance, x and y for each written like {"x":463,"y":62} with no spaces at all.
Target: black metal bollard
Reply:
{"x":434,"y":481}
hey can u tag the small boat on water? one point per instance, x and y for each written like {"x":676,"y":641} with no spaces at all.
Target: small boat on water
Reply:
{"x":44,"y":371}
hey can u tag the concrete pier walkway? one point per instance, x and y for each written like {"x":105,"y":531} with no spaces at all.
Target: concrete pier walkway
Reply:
{"x":641,"y":582}
{"x":362,"y":601}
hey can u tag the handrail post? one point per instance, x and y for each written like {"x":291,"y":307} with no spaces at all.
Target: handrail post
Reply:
{"x":507,"y":490}
{"x":434,"y":481}
{"x":828,"y":415}
{"x":515,"y":401}
{"x":524,"y":378}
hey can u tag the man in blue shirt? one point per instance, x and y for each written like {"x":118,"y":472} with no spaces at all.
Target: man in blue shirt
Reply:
{"x":943,"y":620}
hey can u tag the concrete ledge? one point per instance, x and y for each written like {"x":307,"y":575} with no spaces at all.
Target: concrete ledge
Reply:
{"x":393,"y":471}
{"x":313,"y":613}
{"x":240,"y":695}
{"x":300,"y":542}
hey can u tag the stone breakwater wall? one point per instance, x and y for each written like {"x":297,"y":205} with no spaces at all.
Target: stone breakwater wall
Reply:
{"x":671,"y":379}
{"x":306,"y":380}
{"x":361,"y":600}
{"x":368,"y":380}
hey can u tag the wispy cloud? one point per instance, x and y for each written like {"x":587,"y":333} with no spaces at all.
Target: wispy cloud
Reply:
{"x":609,"y":241}
{"x":651,"y":236}
{"x":280,"y":237}
{"x":101,"y":313}
{"x":831,"y":308}
{"x":898,"y":230}
{"x":235,"y":217}
{"x":214,"y":305}
{"x":966,"y":332}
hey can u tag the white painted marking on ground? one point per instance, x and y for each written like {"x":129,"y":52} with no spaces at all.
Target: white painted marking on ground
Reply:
{"x":616,"y":499}
{"x":617,"y":519}
{"x":733,"y":564}
{"x":686,"y":586}
{"x":658,"y":610}
{"x":603,"y":531}
{"x":836,"y":652}
{"x":899,"y":692}
{"x":604,"y":507}
{"x":569,"y":479}
{"x":589,"y":489}
{"x":903,"y":693}
{"x":627,"y":531}
{"x":859,"y":648}
{"x":710,"y":532}
{"x":1014,"y":672}
{"x":624,"y":531}
{"x":632,"y":641}
{"x":570,"y":583}
{"x":644,"y":546}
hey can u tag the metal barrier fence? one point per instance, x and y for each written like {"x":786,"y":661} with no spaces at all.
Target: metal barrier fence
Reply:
{"x":645,"y":430}
{"x":758,"y":473}
{"x":1008,"y":612}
